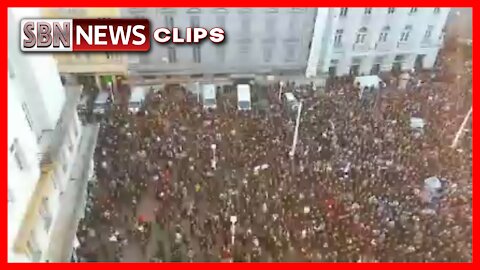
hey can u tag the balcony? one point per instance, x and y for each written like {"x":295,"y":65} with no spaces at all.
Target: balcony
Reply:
{"x":50,"y":161}
{"x":429,"y":43}
{"x":384,"y":46}
{"x":338,"y":48}
{"x":404,"y":46}
{"x":360,"y":47}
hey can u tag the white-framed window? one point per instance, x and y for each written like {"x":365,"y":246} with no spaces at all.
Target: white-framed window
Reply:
{"x":27,"y":115}
{"x":220,"y":20}
{"x":406,"y":33}
{"x":169,"y":22}
{"x":413,"y":10}
{"x":197,"y":54}
{"x":391,"y":10}
{"x":221,"y":53}
{"x":436,"y":11}
{"x":195,"y":21}
{"x":16,"y":152}
{"x":428,"y":32}
{"x":290,"y":53}
{"x":45,"y":214}
{"x":270,"y":24}
{"x":361,"y":35}
{"x":384,"y":34}
{"x":343,"y":12}
{"x":172,"y":54}
{"x":71,"y":142}
{"x":245,"y":23}
{"x":267,"y":54}
{"x":367,"y":11}
{"x":337,"y":42}
{"x":33,"y":251}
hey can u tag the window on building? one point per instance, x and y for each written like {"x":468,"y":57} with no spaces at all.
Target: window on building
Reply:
{"x":195,"y":21}
{"x":70,"y":144}
{"x":290,"y":53}
{"x":109,"y":55}
{"x":27,"y":115}
{"x":406,"y":33}
{"x":15,"y":151}
{"x":436,"y":10}
{"x":45,"y":214}
{"x":428,"y":32}
{"x":33,"y":251}
{"x":221,"y":53}
{"x":172,"y":54}
{"x":267,"y":54}
{"x":362,"y":33}
{"x":343,"y":12}
{"x":244,"y":51}
{"x":197,"y":57}
{"x":270,"y":24}
{"x":384,"y":34}
{"x":245,"y":23}
{"x":64,"y":161}
{"x":293,"y":24}
{"x":337,"y":42}
{"x":391,"y":10}
{"x":413,"y":10}
{"x":169,"y":22}
{"x":399,"y":58}
{"x":220,"y":20}
{"x":367,"y":11}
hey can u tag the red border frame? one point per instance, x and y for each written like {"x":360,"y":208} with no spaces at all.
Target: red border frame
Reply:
{"x":217,"y":3}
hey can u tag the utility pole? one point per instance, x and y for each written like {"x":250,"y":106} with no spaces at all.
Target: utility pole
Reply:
{"x":295,"y":135}
{"x":461,"y":129}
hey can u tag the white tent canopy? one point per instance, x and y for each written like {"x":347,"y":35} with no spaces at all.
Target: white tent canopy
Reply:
{"x":433,"y":183}
{"x":417,"y":123}
{"x":368,"y":81}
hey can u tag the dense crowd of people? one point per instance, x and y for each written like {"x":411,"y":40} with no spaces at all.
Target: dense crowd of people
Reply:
{"x":225,"y":187}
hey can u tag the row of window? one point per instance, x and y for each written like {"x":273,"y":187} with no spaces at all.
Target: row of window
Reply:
{"x":368,"y":11}
{"x":362,"y":33}
{"x":244,"y":50}
{"x":294,"y":23}
{"x":217,"y":10}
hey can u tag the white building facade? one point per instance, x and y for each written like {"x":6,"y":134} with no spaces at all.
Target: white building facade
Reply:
{"x":44,"y":135}
{"x":371,"y":40}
